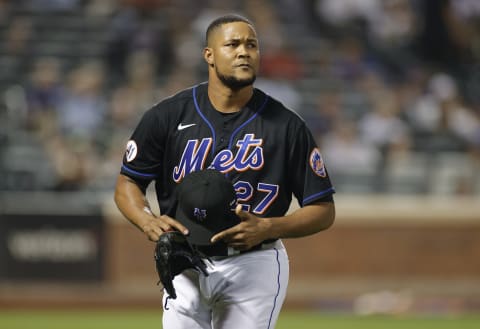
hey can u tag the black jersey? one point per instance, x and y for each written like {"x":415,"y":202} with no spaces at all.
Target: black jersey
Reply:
{"x":265,"y":149}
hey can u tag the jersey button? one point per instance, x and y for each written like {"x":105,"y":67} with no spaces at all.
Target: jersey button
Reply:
{"x":222,"y":140}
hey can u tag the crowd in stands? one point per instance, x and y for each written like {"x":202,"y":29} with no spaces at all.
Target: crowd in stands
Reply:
{"x":390,"y":88}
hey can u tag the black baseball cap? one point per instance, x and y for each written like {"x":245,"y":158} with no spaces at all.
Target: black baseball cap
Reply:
{"x":206,"y":205}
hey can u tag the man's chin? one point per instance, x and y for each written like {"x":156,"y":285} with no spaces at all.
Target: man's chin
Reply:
{"x":236,"y":83}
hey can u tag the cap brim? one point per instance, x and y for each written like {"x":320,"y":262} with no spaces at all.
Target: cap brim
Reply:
{"x":201,"y":234}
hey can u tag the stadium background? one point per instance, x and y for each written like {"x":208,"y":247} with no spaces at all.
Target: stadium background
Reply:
{"x":389,"y":88}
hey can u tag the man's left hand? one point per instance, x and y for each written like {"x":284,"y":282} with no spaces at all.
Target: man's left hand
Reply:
{"x":251,"y":231}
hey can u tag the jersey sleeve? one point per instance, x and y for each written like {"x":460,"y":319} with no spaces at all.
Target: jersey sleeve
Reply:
{"x":144,"y":150}
{"x":310,"y":179}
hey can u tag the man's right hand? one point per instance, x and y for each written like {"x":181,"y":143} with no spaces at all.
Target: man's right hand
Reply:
{"x":156,"y":226}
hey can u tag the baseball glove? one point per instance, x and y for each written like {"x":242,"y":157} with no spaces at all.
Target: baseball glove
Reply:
{"x":173,"y":255}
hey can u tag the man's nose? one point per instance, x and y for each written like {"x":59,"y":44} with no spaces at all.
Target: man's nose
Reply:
{"x":242,"y":50}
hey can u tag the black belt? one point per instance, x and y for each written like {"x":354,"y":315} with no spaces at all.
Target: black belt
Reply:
{"x":222,"y":250}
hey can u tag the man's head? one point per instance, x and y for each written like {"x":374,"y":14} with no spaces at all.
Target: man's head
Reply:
{"x":232,"y":51}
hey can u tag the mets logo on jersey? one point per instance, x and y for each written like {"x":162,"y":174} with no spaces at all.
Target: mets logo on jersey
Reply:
{"x":316,"y":163}
{"x":247,"y":156}
{"x":200,"y":214}
{"x":131,"y":151}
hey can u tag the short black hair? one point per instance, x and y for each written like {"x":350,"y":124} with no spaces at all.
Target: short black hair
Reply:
{"x":230,"y":18}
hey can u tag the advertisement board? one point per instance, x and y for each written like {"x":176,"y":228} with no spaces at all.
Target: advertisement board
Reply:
{"x":51,"y":247}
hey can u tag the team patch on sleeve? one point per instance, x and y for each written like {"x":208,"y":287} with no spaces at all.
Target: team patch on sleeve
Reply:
{"x":131,"y":151}
{"x":316,"y":163}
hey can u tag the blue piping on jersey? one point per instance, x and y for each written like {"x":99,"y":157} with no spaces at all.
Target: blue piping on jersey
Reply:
{"x":138,"y":173}
{"x":318,"y":195}
{"x":246,"y":122}
{"x":197,"y":107}
{"x":278,"y":290}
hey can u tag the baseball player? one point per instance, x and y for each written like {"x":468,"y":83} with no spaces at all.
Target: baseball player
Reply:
{"x":268,"y":154}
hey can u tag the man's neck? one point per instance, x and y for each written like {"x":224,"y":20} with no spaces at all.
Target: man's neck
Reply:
{"x":227,"y":100}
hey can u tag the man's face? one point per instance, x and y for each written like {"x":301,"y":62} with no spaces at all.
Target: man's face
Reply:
{"x":233,"y":50}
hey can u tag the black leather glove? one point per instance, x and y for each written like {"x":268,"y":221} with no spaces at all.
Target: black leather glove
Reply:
{"x":173,"y":255}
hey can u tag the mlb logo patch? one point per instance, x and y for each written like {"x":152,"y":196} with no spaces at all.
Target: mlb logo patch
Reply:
{"x":316,"y":163}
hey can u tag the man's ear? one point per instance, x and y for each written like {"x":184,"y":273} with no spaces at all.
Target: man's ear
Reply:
{"x":208,"y":56}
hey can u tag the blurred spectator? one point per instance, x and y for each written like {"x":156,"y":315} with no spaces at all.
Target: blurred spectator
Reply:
{"x":44,"y":94}
{"x":84,"y":107}
{"x":18,"y":35}
{"x":345,"y":17}
{"x":353,"y":163}
{"x":326,"y":115}
{"x":441,"y":118}
{"x":467,"y":16}
{"x":393,"y":34}
{"x":140,"y":86}
{"x":129,"y":101}
{"x":396,"y":26}
{"x":382,"y":127}
{"x":293,"y":13}
{"x":347,"y":152}
{"x":342,"y":12}
{"x":74,"y":162}
{"x":288,"y":94}
{"x":282,"y":56}
{"x":351,"y":62}
{"x":138,"y":28}
{"x":445,"y":38}
{"x":462,"y":121}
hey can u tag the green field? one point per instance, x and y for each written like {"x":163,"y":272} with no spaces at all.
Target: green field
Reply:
{"x":152,"y":319}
